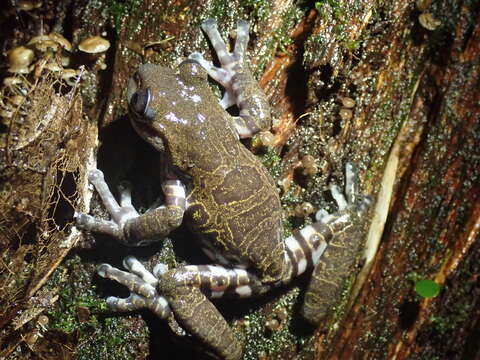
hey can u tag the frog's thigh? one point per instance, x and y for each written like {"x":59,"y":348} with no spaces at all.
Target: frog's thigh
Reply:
{"x":216,"y":281}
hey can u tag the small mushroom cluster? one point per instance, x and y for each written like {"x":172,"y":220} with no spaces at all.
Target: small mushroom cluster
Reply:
{"x":262,"y":141}
{"x":426,"y":18}
{"x":309,"y":165}
{"x":28,"y":5}
{"x":51,"y":54}
{"x":95,"y":47}
{"x":44,"y":52}
{"x":13,"y":96}
{"x":348,"y":104}
{"x":19,"y":60}
{"x":429,"y":21}
{"x":306,"y":167}
{"x":304,"y":209}
{"x":277,"y":319}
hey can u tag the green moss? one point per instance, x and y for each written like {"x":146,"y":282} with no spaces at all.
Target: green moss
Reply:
{"x":272,"y":161}
{"x":325,"y":5}
{"x":272,"y":343}
{"x":112,"y":342}
{"x":96,"y":337}
{"x":118,"y":10}
{"x":342,"y":302}
{"x":278,"y":41}
{"x":461,"y":306}
{"x":257,"y":9}
{"x":219,"y":9}
{"x":352,"y":45}
{"x":288,"y":227}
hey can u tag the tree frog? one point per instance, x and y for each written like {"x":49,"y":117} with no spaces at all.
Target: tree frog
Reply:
{"x":221,"y":191}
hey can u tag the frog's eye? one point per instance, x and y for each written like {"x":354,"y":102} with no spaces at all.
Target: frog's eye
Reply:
{"x":140,"y":101}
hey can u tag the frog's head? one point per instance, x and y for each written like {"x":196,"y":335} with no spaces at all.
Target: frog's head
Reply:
{"x":162,"y":101}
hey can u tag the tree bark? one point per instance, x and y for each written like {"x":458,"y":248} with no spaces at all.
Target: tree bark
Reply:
{"x":392,"y":86}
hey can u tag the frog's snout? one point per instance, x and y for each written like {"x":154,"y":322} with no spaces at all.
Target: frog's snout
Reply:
{"x":131,"y":89}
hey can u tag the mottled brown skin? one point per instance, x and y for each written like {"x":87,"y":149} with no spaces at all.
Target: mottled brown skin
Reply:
{"x":233,"y":203}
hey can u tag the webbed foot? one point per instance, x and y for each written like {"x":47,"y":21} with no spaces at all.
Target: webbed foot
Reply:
{"x":191,"y":307}
{"x":126,"y":224}
{"x":351,"y":200}
{"x":142,"y":286}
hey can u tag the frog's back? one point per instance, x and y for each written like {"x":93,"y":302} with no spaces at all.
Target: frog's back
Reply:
{"x":239,"y":216}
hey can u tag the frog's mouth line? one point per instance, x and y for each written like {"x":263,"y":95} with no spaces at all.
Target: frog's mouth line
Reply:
{"x":141,"y":126}
{"x":149,"y":134}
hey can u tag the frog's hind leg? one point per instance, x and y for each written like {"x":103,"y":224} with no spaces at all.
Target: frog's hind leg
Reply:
{"x":188,"y":290}
{"x":336,"y":263}
{"x":234,"y":75}
{"x":184,"y":293}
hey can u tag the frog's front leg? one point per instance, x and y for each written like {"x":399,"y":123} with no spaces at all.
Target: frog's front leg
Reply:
{"x":127,"y":225}
{"x":234,"y":75}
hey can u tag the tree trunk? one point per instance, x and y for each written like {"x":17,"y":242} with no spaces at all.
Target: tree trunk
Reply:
{"x":393,"y":87}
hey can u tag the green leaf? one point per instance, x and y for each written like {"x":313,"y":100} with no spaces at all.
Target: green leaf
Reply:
{"x":427,"y":288}
{"x":319,"y":5}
